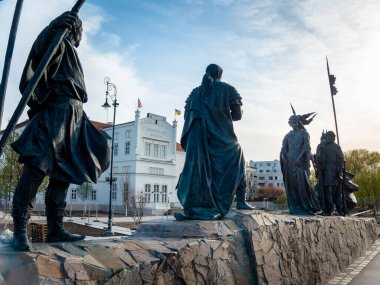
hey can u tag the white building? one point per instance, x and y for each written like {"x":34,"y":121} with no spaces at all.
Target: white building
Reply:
{"x":251,"y":176}
{"x":147,"y":162}
{"x":268,"y":173}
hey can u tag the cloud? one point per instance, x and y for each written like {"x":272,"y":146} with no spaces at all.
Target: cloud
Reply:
{"x":97,"y":64}
{"x":273,"y":52}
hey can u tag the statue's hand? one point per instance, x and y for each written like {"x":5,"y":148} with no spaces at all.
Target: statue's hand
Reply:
{"x":66,"y":20}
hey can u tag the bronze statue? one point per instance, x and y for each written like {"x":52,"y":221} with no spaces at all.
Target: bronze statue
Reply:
{"x":295,"y":159}
{"x":59,"y":142}
{"x":329,"y":162}
{"x":214,"y":168}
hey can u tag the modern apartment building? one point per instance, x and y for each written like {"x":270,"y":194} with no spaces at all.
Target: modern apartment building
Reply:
{"x":268,"y":173}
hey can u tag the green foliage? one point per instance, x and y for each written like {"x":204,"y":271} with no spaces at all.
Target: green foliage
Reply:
{"x":369,"y":187}
{"x":362,"y":160}
{"x":313,"y":179}
{"x":282,"y":201}
{"x":84,"y":190}
{"x":365,"y":165}
{"x":10,"y":169}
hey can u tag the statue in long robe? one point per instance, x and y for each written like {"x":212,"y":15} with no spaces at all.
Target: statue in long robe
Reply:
{"x":295,"y":159}
{"x":214,"y":169}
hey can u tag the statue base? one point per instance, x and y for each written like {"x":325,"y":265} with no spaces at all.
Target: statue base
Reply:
{"x":248,"y":247}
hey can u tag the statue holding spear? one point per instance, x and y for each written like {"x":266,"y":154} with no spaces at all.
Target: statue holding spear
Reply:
{"x":59,"y":141}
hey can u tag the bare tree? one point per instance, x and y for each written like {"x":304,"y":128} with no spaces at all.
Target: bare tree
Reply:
{"x":84,"y":192}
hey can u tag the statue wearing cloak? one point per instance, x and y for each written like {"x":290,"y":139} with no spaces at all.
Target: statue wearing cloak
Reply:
{"x":295,"y":166}
{"x":214,"y":167}
{"x":59,"y":141}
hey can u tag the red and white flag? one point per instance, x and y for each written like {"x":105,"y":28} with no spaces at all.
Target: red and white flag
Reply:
{"x":139,"y":105}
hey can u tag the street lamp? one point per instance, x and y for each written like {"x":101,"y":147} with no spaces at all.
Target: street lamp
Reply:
{"x":111,"y":179}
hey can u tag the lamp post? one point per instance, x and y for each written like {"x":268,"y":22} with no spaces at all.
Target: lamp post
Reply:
{"x":111,"y":179}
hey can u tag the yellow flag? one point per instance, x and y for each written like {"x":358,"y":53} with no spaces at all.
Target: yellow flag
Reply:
{"x":177,"y":112}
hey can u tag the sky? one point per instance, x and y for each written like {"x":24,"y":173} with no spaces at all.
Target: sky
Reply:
{"x":272,"y":52}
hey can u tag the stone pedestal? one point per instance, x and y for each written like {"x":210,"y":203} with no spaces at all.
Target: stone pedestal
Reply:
{"x":248,"y":247}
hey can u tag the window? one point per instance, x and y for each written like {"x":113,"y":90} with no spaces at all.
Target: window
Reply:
{"x":270,"y":177}
{"x":261,"y":178}
{"x":163,"y":151}
{"x":114,"y":191}
{"x":268,"y":164}
{"x":270,"y":184}
{"x":156,"y":192}
{"x":127,"y":147}
{"x":115,"y":169}
{"x":126,"y":169}
{"x":275,"y":178}
{"x":93,"y":195}
{"x":267,"y":170}
{"x":126,"y":193}
{"x":147,"y":149}
{"x":261,"y":170}
{"x":73,"y":194}
{"x":261,"y":184}
{"x":147,"y":193}
{"x":278,"y":184}
{"x":156,"y":171}
{"x":155,"y":150}
{"x":127,"y":134}
{"x":116,"y":136}
{"x":164,"y":194}
{"x":115,"y":149}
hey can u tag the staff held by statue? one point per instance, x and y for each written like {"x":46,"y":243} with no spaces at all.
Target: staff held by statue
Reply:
{"x":36,"y":78}
{"x":334,"y":91}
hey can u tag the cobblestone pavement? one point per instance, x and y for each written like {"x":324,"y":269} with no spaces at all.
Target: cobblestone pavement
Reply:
{"x":363,"y":270}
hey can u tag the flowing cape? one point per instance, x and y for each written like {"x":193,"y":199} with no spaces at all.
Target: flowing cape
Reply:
{"x":214,"y":164}
{"x":59,"y":139}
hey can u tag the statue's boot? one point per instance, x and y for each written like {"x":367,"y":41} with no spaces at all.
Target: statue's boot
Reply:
{"x":241,"y":204}
{"x":20,"y":240}
{"x":56,"y":231}
{"x":55,"y":200}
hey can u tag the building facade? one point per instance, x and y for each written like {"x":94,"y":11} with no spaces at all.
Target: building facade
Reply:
{"x":145,"y":168}
{"x":147,"y":162}
{"x":268,"y":173}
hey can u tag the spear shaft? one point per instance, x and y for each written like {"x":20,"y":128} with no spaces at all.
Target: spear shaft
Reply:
{"x":8,"y":55}
{"x":332,"y":98}
{"x":333,"y":91}
{"x":36,"y":78}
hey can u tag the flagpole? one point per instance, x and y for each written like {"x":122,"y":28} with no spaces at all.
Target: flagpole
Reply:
{"x":333,"y":91}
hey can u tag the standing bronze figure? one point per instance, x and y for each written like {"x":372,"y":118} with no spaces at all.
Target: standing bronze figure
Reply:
{"x":59,"y":142}
{"x":295,"y":159}
{"x":214,"y":168}
{"x":329,"y":161}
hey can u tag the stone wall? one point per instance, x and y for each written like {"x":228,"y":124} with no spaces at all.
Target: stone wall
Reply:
{"x":304,"y":250}
{"x":246,"y":248}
